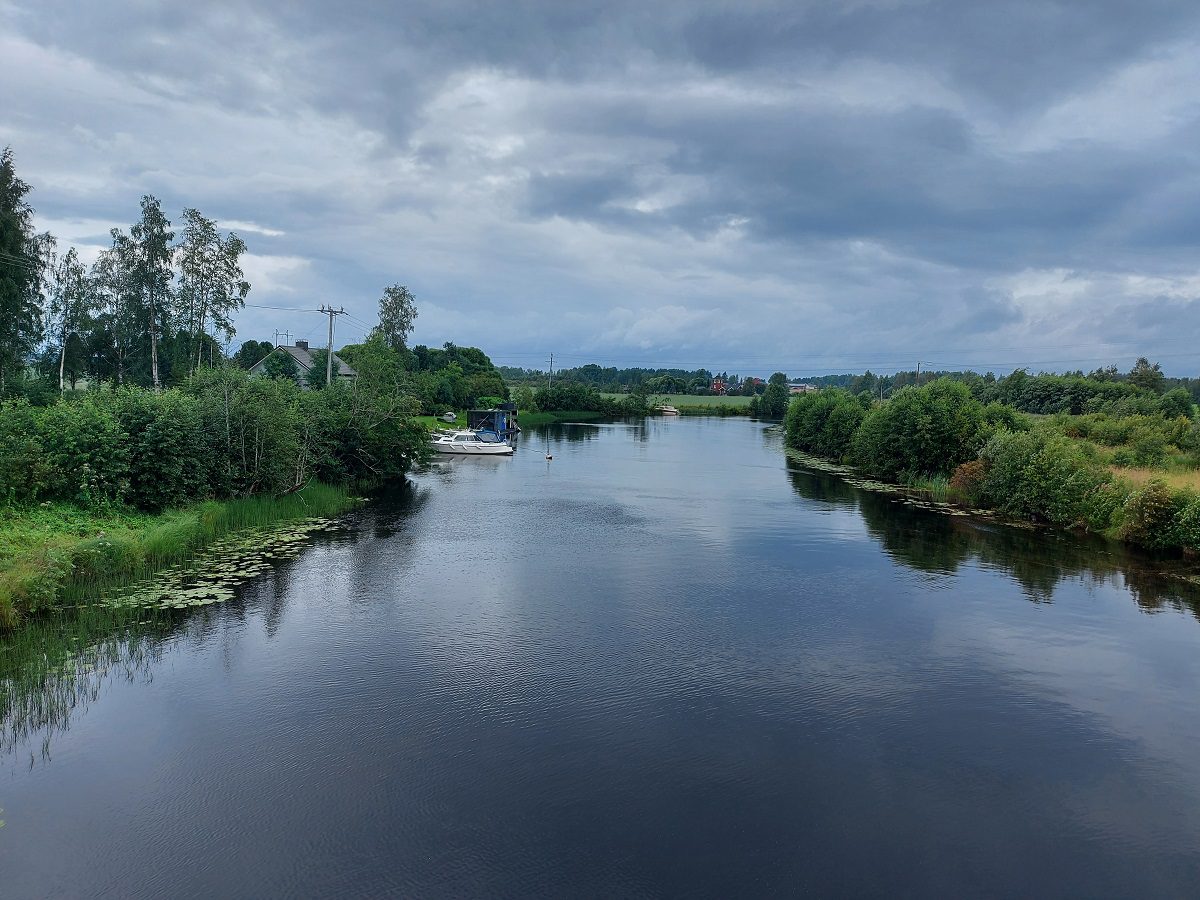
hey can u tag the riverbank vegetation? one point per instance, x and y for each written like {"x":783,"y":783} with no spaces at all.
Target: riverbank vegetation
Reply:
{"x":111,"y":483}
{"x":52,"y":552}
{"x":1065,"y":470}
{"x":697,"y":404}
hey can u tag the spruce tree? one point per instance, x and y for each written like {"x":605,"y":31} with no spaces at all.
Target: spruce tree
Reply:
{"x":20,"y":274}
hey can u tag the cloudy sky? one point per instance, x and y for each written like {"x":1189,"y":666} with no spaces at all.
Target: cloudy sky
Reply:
{"x":811,"y":186}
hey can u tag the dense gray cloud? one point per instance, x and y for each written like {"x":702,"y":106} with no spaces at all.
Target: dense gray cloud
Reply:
{"x":808,"y":186}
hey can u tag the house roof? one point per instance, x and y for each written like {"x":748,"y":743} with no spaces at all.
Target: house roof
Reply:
{"x":304,"y":358}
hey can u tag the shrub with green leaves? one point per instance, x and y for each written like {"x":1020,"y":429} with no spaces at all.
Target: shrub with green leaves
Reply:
{"x":1047,"y":478}
{"x":86,"y":450}
{"x":1148,"y":514}
{"x":921,"y":432}
{"x":824,"y":423}
{"x":223,"y":434}
{"x":24,"y":469}
{"x":1185,"y":530}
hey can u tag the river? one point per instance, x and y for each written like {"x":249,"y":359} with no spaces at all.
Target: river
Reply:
{"x":665,"y":663}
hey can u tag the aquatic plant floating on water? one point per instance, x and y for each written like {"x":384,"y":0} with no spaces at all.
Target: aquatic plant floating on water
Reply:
{"x":213,"y":576}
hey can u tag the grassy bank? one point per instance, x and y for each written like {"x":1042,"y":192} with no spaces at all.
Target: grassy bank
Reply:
{"x":51,"y":552}
{"x":562,"y":415}
{"x":685,"y":403}
{"x":433,"y":423}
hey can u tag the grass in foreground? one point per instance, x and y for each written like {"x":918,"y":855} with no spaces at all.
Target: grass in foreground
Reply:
{"x":50,"y":553}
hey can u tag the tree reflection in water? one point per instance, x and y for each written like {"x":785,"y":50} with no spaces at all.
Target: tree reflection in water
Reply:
{"x":1038,"y":559}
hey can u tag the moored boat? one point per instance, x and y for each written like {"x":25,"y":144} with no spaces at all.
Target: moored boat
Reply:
{"x":666,"y":410}
{"x":480,"y":443}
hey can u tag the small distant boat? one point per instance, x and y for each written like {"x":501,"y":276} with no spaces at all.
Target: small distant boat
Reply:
{"x":478,"y":443}
{"x":448,"y":417}
{"x":666,"y":410}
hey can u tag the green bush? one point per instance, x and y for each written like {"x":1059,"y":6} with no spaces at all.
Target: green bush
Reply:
{"x":24,"y":469}
{"x":1046,"y":478}
{"x":1185,"y":530}
{"x":169,"y":457}
{"x":87,"y":452}
{"x":921,"y":432}
{"x":824,"y":423}
{"x":223,"y":434}
{"x":1149,"y":513}
{"x":1176,"y":402}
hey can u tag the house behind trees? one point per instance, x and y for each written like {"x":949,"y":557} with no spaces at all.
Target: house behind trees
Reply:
{"x":305,"y":361}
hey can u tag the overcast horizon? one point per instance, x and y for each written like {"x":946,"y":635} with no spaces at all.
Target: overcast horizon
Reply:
{"x":811,"y":187}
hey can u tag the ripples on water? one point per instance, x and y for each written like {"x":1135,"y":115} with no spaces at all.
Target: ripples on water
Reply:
{"x":663,"y":663}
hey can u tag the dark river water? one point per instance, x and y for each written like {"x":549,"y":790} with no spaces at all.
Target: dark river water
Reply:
{"x":666,"y":663}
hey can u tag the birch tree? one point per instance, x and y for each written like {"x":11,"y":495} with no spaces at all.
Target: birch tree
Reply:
{"x":116,"y":329}
{"x":153,"y":274}
{"x":397,"y":313}
{"x":69,"y":301}
{"x":211,"y":283}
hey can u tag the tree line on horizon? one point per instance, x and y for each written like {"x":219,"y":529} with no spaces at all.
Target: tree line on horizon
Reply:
{"x":1044,"y":392}
{"x":1144,"y":374}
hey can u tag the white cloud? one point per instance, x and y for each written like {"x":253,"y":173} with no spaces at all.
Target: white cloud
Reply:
{"x":274,"y":275}
{"x":839,"y":207}
{"x":252,"y":227}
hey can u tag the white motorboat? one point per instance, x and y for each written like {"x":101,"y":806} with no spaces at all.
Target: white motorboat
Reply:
{"x":481,"y":443}
{"x":666,"y":410}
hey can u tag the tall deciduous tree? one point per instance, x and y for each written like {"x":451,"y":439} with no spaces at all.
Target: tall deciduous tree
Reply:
{"x":397,"y":313}
{"x":153,"y":274}
{"x":211,"y":282}
{"x":70,"y":297}
{"x":21,"y":266}
{"x":251,"y":352}
{"x":281,"y":364}
{"x":315,"y":377}
{"x":114,"y":332}
{"x":1146,"y":376}
{"x":775,"y":398}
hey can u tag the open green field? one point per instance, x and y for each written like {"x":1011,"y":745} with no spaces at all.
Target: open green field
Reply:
{"x":681,"y":400}
{"x":433,"y":423}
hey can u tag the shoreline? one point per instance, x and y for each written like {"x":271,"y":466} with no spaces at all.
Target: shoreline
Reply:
{"x":922,"y":498}
{"x":52,"y":553}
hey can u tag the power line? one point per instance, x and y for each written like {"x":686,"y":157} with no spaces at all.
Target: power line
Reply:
{"x":281,"y":308}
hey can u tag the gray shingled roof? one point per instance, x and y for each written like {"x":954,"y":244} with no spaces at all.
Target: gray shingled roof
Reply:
{"x":304,"y":358}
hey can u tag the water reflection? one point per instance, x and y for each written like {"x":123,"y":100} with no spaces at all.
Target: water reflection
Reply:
{"x":55,"y":666}
{"x":1037,"y":559}
{"x":524,"y":679}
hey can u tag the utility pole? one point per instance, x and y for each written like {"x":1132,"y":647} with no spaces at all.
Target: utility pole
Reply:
{"x":286,"y":334}
{"x":331,"y":312}
{"x":918,"y":373}
{"x":550,"y":382}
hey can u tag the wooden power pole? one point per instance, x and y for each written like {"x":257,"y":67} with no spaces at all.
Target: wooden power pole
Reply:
{"x":331,"y":312}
